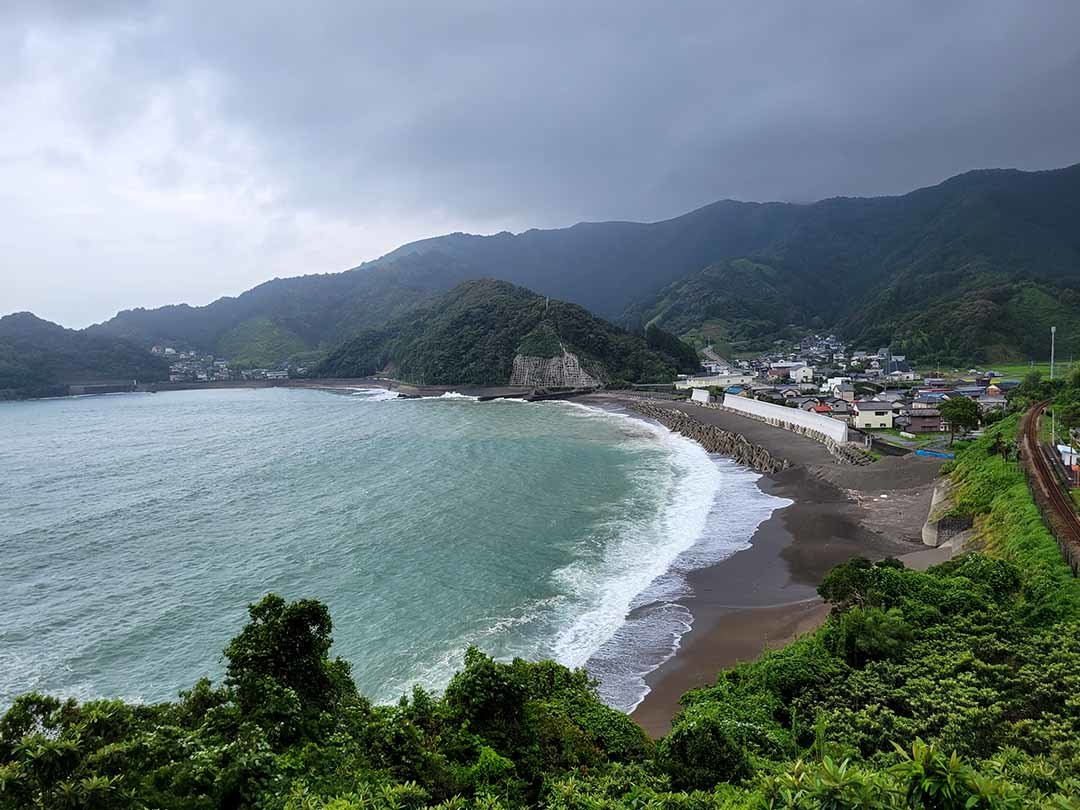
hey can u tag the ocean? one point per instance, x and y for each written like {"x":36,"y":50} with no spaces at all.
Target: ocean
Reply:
{"x":136,"y":528}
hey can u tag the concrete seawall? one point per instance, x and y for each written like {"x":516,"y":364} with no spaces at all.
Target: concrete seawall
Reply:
{"x":713,"y":439}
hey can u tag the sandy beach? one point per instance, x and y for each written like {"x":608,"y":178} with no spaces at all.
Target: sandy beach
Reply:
{"x":763,"y":597}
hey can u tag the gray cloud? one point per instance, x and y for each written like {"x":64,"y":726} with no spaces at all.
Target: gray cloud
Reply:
{"x":229,"y":142}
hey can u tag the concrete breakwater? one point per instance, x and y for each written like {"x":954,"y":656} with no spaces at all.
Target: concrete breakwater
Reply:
{"x":713,"y":439}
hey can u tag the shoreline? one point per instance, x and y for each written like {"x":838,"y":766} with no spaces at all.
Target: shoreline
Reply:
{"x":765,"y":596}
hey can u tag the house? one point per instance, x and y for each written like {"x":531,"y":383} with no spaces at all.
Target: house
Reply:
{"x":928,"y":400}
{"x":788,"y":391}
{"x":923,"y":420}
{"x":970,"y":391}
{"x":841,"y":409}
{"x":823,"y":409}
{"x":716,"y":381}
{"x":844,"y":391}
{"x":805,"y":374}
{"x":989,"y":402}
{"x":873,"y":414}
{"x":784,"y":369}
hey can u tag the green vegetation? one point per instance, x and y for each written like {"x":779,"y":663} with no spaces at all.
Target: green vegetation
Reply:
{"x":472,"y":333}
{"x":259,"y":342}
{"x":960,"y":413}
{"x":740,"y":304}
{"x":39,"y":358}
{"x":991,"y":486}
{"x":953,"y":688}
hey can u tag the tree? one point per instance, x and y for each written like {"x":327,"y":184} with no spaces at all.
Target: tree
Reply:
{"x":282,"y":655}
{"x":961,"y":413}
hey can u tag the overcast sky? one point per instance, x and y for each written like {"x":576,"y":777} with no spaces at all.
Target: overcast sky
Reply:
{"x":158,"y":152}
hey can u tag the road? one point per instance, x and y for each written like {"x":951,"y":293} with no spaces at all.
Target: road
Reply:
{"x":1057,"y":507}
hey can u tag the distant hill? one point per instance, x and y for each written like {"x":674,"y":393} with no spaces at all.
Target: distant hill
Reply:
{"x":40,"y":358}
{"x":974,"y":268}
{"x":977,"y":268}
{"x":491,"y":332}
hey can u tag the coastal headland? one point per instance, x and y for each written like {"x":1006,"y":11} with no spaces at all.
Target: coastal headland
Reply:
{"x":766,"y":595}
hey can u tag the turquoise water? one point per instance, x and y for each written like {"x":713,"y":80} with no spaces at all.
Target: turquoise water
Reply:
{"x":134,"y":530}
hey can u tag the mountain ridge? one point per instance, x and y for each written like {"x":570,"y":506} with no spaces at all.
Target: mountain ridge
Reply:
{"x":41,"y":358}
{"x":878,"y":269}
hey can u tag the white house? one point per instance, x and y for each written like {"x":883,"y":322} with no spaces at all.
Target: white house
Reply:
{"x":717,"y":380}
{"x":873,"y":414}
{"x":803,"y":375}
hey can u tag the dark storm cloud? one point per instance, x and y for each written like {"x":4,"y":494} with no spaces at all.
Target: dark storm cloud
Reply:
{"x":552,"y":114}
{"x":520,"y":114}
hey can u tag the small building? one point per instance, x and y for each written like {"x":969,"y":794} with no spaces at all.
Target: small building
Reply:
{"x":873,"y":414}
{"x":989,"y":403}
{"x":923,"y":420}
{"x":805,"y":374}
{"x":928,"y":400}
{"x":841,"y":408}
{"x":844,"y":391}
{"x":719,"y":380}
{"x":714,"y":381}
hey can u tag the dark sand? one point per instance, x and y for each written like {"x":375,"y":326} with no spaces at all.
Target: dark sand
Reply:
{"x":763,"y":597}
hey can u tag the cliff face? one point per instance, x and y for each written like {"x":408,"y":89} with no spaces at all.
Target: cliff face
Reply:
{"x":562,"y":371}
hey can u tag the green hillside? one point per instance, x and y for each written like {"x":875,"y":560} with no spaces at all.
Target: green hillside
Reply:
{"x":472,"y":333}
{"x":39,"y":358}
{"x":259,"y":342}
{"x":952,"y":272}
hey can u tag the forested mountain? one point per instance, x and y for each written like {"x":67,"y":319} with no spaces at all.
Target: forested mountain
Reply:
{"x":974,"y":267}
{"x":39,"y":358}
{"x":978,"y":267}
{"x":473,"y":333}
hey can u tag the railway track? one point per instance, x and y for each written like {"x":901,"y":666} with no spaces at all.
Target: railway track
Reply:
{"x":1056,"y":506}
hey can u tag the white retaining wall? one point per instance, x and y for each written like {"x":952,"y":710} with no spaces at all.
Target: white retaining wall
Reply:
{"x":827,"y":426}
{"x":700,"y":395}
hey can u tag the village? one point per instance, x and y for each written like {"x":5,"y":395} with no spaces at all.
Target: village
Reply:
{"x":877,"y":393}
{"x":190,"y":366}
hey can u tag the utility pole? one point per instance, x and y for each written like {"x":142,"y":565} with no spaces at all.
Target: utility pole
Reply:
{"x":1053,"y":414}
{"x":1053,"y":333}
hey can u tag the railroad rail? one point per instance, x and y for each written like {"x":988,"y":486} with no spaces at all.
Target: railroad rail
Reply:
{"x":1056,"y":506}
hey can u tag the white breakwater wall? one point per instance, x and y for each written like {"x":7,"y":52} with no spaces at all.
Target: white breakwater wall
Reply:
{"x":830,"y":432}
{"x":831,"y":428}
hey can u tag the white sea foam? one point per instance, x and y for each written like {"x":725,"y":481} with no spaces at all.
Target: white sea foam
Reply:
{"x":620,"y":616}
{"x":454,"y":395}
{"x":711,"y":507}
{"x":374,"y":394}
